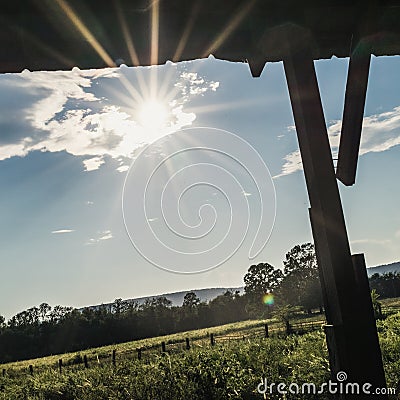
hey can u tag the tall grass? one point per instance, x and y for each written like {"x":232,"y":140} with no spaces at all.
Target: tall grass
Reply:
{"x":231,"y":370}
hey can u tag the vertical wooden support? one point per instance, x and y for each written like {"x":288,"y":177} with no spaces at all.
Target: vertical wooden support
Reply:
{"x":187,"y":344}
{"x":163,"y":347}
{"x":4,"y":372}
{"x":60,"y":364}
{"x":139,"y":353}
{"x":113,"y":357}
{"x":31,"y":369}
{"x":266,"y":330}
{"x":85,"y":361}
{"x":212,"y":340}
{"x":341,"y":293}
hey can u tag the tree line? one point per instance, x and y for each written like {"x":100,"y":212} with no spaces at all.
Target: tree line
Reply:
{"x":44,"y":330}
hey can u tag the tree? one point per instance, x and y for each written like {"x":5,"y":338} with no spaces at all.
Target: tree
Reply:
{"x":261,"y":279}
{"x":300,"y":285}
{"x":117,"y":306}
{"x":2,"y":322}
{"x":59,"y":313}
{"x":387,"y":285}
{"x":226,"y":308}
{"x":44,"y":310}
{"x":190,"y":300}
{"x":376,"y":304}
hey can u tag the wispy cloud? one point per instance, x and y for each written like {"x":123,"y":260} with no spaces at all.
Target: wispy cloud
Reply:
{"x":63,"y":231}
{"x":102,"y":235}
{"x":379,"y":242}
{"x":380,"y":132}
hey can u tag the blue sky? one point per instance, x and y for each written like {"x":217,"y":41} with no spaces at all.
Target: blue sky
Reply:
{"x":68,"y":139}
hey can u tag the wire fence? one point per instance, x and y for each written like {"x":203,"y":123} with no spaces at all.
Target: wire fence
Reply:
{"x":147,"y":354}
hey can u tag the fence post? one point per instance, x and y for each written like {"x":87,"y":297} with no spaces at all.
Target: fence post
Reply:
{"x":187,"y":344}
{"x":139,"y":353}
{"x":60,"y":365}
{"x":380,"y":315}
{"x":31,"y":369}
{"x":212,"y":341}
{"x":266,"y":330}
{"x":4,"y":372}
{"x":85,"y":361}
{"x":163,"y":348}
{"x":113,"y":357}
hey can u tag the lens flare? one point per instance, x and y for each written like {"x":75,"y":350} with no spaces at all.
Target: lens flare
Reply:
{"x":268,"y":299}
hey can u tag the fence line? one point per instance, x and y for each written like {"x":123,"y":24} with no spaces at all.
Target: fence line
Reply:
{"x":177,"y":346}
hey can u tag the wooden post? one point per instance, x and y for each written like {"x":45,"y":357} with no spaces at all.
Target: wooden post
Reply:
{"x":353,"y":112}
{"x":212,"y":340}
{"x":31,"y":369}
{"x":266,"y":330}
{"x":139,"y":353}
{"x":85,"y":361}
{"x":342,"y":295}
{"x":187,"y":344}
{"x":60,"y":364}
{"x":4,"y":372}
{"x":113,"y":357}
{"x":288,"y":328}
{"x":380,"y":315}
{"x":163,"y":348}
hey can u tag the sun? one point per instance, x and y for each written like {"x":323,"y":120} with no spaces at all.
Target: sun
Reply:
{"x":153,"y":115}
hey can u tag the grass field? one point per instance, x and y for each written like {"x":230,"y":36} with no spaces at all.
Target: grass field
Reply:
{"x":228,"y":370}
{"x":198,"y":338}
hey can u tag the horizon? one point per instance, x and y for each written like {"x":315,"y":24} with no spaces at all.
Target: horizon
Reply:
{"x":181,"y":291}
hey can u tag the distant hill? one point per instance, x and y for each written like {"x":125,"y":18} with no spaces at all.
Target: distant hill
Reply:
{"x":383,"y":269}
{"x":205,"y":295}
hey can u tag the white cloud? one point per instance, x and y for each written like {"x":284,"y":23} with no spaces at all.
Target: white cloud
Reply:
{"x":380,"y":132}
{"x":246,"y":194}
{"x":292,"y":164}
{"x":62,"y":111}
{"x":123,"y":168}
{"x":63,"y":231}
{"x":93,"y":163}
